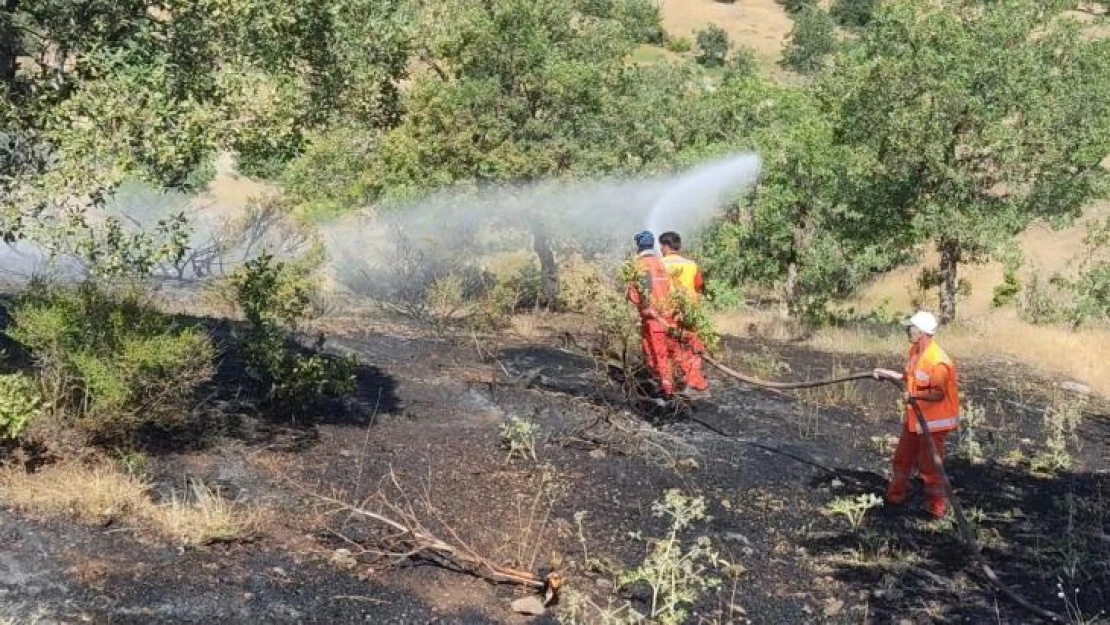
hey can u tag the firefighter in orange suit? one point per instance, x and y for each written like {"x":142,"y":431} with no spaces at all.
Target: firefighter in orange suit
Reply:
{"x":931,"y":381}
{"x":685,"y":274}
{"x":649,"y":293}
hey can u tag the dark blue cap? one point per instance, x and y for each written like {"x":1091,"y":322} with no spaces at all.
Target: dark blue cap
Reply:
{"x":645,"y":240}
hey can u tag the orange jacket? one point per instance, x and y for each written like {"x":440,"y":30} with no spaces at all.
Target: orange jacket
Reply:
{"x":685,"y":273}
{"x":928,"y":369}
{"x":653,"y":287}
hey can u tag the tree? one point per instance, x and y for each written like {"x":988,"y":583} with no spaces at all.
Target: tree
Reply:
{"x":713,"y":46}
{"x":520,"y":91}
{"x":812,"y":40}
{"x":93,"y":92}
{"x":805,"y":229}
{"x":796,"y":6}
{"x":853,"y":13}
{"x":984,"y":117}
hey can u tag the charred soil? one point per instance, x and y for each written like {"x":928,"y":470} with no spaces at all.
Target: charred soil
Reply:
{"x":423,"y":434}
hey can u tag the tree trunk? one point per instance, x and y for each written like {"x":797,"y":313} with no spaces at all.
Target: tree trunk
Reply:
{"x":9,"y":41}
{"x":789,"y":290}
{"x":949,"y":281}
{"x":549,"y":270}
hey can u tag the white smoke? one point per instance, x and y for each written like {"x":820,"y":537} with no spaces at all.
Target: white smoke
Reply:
{"x":405,"y":247}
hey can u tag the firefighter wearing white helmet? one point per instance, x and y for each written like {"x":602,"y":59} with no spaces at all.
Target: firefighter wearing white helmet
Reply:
{"x":931,"y":381}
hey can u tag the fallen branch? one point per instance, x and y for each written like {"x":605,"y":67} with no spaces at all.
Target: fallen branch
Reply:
{"x":411,"y":539}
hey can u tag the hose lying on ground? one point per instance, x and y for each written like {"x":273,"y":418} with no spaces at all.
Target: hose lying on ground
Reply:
{"x":969,"y":539}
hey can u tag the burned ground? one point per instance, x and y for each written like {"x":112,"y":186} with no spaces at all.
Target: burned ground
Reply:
{"x":424,"y":429}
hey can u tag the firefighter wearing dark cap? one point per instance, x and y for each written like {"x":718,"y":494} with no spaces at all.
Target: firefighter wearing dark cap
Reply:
{"x":649,"y":293}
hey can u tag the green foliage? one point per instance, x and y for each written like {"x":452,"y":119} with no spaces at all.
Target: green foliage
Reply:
{"x":518,"y":437}
{"x":984,"y":116}
{"x":275,"y":297}
{"x":680,"y":44}
{"x":325,"y":180}
{"x":854,"y":509}
{"x":1010,"y":288}
{"x":693,"y":316}
{"x":968,"y":445}
{"x":853,"y":13}
{"x":796,"y":6}
{"x":713,"y":46}
{"x":1061,"y":423}
{"x":742,"y":63}
{"x":677,"y":575}
{"x":92,"y":94}
{"x":812,"y":40}
{"x":808,"y":229}
{"x":110,"y":360}
{"x":20,"y":403}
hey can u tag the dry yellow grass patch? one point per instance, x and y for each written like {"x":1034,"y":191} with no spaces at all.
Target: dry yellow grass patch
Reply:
{"x":761,"y":25}
{"x":100,"y":491}
{"x":1051,"y":350}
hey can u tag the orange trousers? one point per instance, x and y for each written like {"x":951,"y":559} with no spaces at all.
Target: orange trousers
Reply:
{"x":913,"y":453}
{"x":655,"y":343}
{"x":685,"y":353}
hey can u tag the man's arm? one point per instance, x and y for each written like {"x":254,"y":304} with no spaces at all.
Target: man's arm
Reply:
{"x":938,"y":381}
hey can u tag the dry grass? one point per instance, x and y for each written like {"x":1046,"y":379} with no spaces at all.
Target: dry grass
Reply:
{"x":761,"y":25}
{"x":91,"y":494}
{"x":1052,"y":350}
{"x":98,"y":492}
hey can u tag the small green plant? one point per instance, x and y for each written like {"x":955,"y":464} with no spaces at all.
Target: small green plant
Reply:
{"x":854,"y":509}
{"x":1061,"y":420}
{"x":275,"y":297}
{"x":519,"y":436}
{"x":134,"y":463}
{"x":20,"y":402}
{"x":1007,"y":292}
{"x":972,"y":416}
{"x":679,"y":45}
{"x":677,"y":575}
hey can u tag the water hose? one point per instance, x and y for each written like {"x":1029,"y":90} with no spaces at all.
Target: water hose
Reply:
{"x":966,"y":534}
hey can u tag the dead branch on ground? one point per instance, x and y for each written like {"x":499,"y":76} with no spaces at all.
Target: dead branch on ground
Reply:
{"x":407,"y":536}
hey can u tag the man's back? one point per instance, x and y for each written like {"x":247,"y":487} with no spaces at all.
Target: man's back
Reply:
{"x":684,"y":273}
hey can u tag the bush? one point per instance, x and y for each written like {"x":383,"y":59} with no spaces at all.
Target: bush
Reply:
{"x":642,"y":21}
{"x":796,"y":6}
{"x":109,"y":359}
{"x":741,"y":64}
{"x":679,"y":45}
{"x":19,"y":403}
{"x":713,"y":46}
{"x":275,"y":297}
{"x":811,"y":40}
{"x":853,"y":13}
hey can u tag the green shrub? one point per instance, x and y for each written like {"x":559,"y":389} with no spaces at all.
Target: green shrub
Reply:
{"x":679,"y":45}
{"x":741,"y":64}
{"x":275,"y":297}
{"x":713,"y":46}
{"x":641,"y":20}
{"x":19,"y":403}
{"x":796,"y":6}
{"x":811,"y":40}
{"x":109,"y":360}
{"x":853,"y":13}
